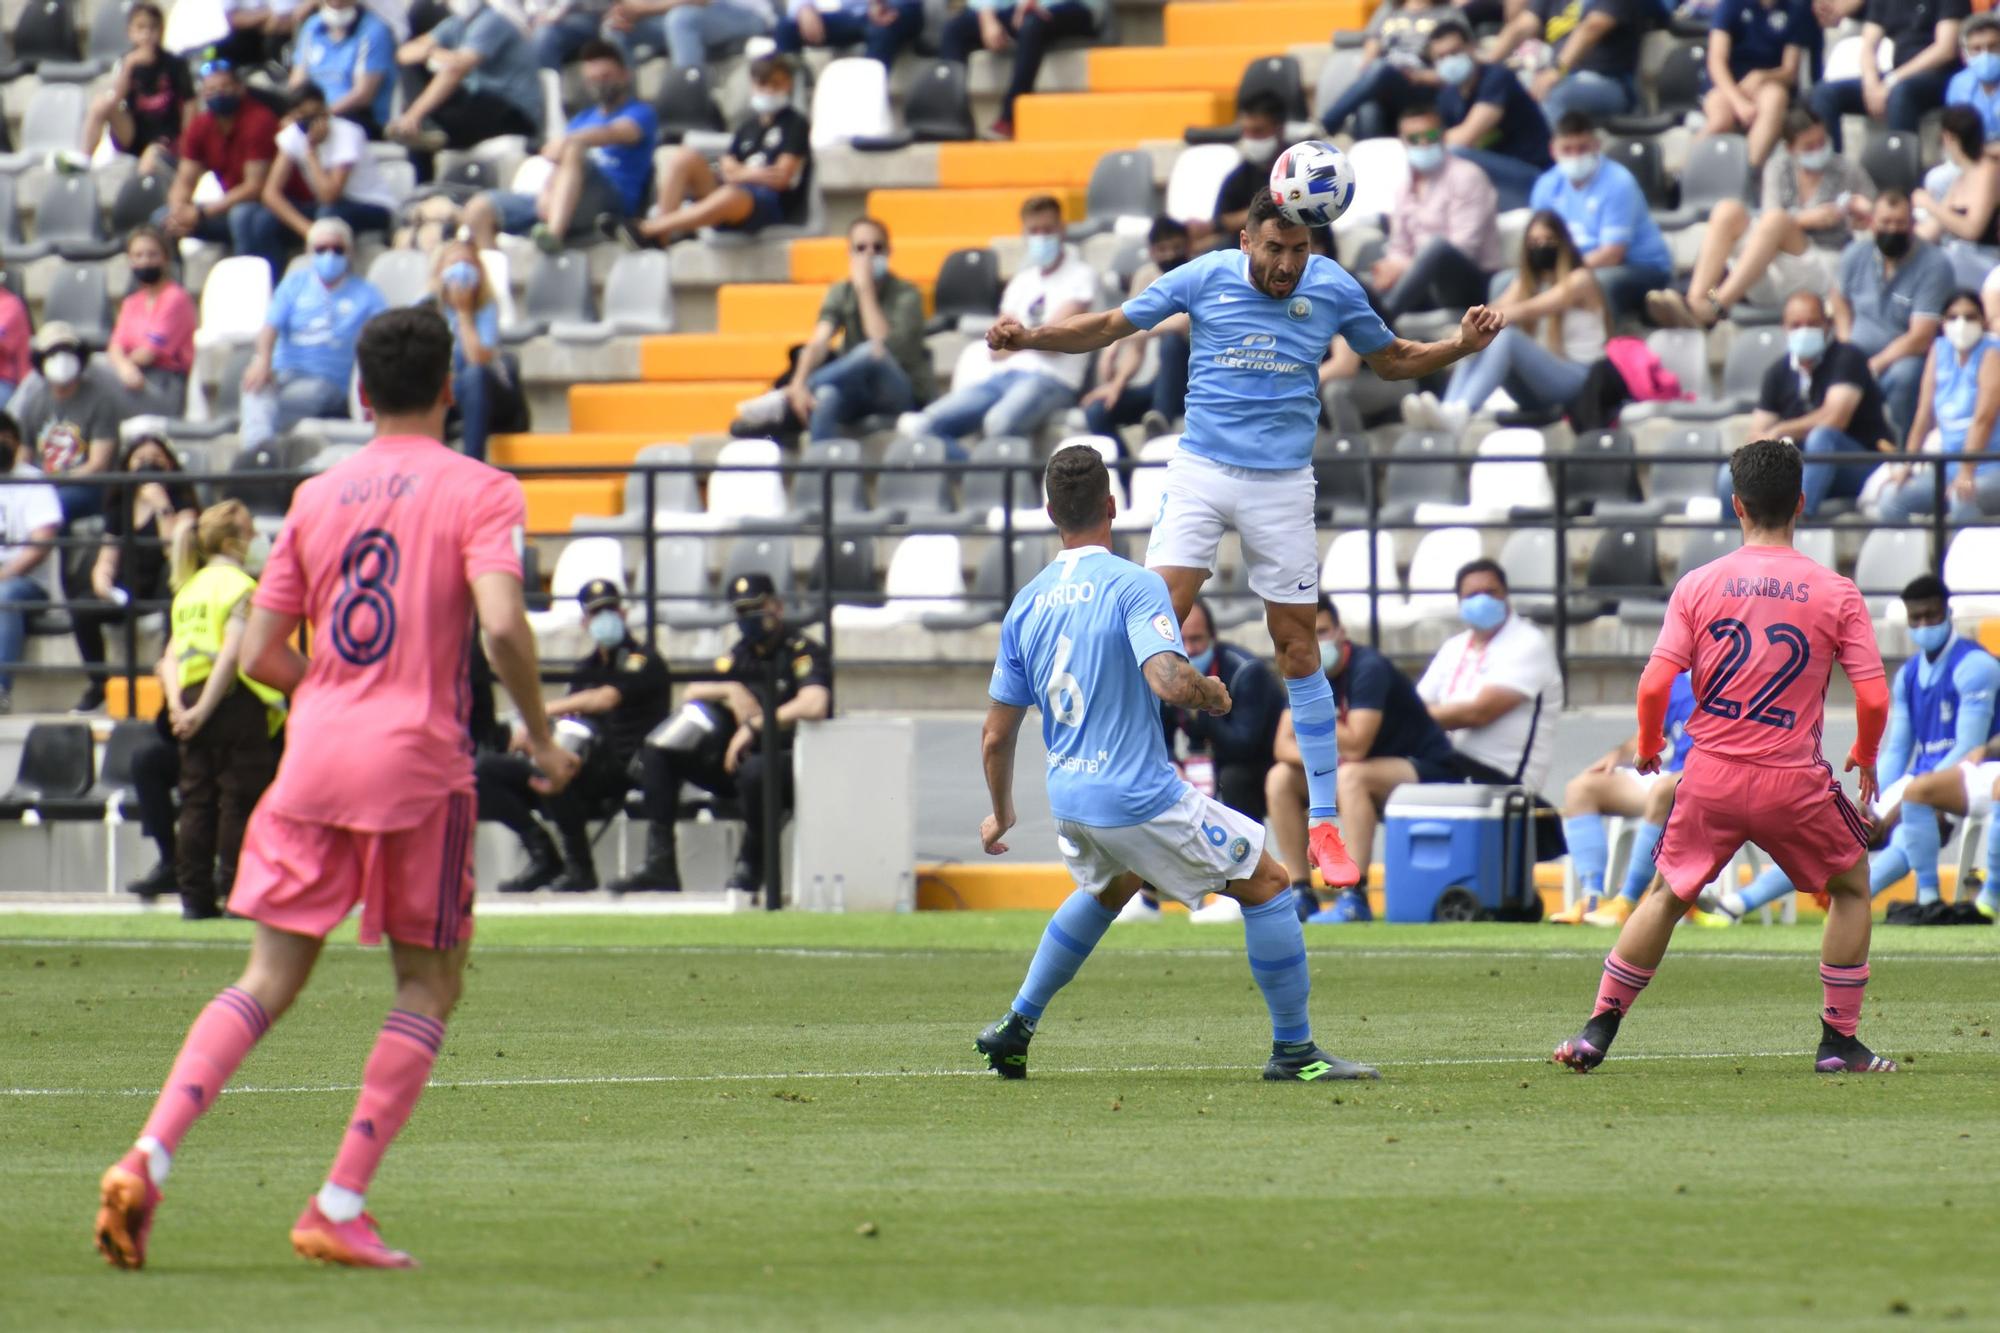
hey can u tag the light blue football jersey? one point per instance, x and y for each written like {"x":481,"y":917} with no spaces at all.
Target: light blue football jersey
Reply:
{"x":1073,"y":645}
{"x":1253,"y":372}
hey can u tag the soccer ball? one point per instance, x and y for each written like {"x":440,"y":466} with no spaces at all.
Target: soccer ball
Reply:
{"x":1313,"y":183}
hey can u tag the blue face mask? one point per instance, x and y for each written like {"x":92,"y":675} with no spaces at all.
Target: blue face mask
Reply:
{"x":1930,"y":638}
{"x":1202,"y":660}
{"x":330,"y":265}
{"x":1455,"y":68}
{"x":1483,"y":611}
{"x":1578,"y":169}
{"x":1807,"y":343}
{"x":463,"y":274}
{"x":1425,"y":157}
{"x":1329,"y":655}
{"x":1985,"y":66}
{"x":607,"y":629}
{"x":1044,"y":249}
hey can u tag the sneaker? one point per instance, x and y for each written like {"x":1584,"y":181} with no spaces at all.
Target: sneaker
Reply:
{"x":92,"y":700}
{"x":1137,"y":908}
{"x":1325,"y":850}
{"x":1350,"y":908}
{"x":1220,"y":910}
{"x":1670,"y":310}
{"x":1846,"y":1055}
{"x":1000,"y":129}
{"x":1574,"y":914}
{"x":912,"y":425}
{"x":356,"y":1244}
{"x":1306,"y":900}
{"x":545,"y":240}
{"x":1005,"y":1046}
{"x":126,"y":1198}
{"x":745,"y":878}
{"x":1451,"y":418}
{"x":1154,"y":424}
{"x":1987,"y":904}
{"x":156,"y":883}
{"x":625,"y":232}
{"x":1701,"y":920}
{"x":1611,"y":912}
{"x":1312,"y":1065}
{"x":1587,"y":1049}
{"x":764,"y":412}
{"x":1419,"y":409}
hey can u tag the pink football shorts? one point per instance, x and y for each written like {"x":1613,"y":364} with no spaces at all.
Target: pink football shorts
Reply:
{"x":1800,"y":817}
{"x":414,"y":885}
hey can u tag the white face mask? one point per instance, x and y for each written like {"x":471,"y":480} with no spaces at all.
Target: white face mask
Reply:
{"x":62,"y":367}
{"x":607,"y":628}
{"x":1044,"y":249}
{"x":337,"y":20}
{"x":1963,"y":332}
{"x":256,"y":554}
{"x":1578,"y":169}
{"x":767,"y":103}
{"x":465,"y":9}
{"x":1257,"y":150}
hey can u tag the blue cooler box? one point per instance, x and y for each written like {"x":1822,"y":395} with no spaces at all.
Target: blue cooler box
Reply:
{"x":1454,"y":852}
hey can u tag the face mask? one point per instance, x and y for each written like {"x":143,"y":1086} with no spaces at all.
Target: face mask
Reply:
{"x":1815,"y":159}
{"x":768,"y":104}
{"x":750,"y":624}
{"x":223,"y":104}
{"x":463,"y":274}
{"x":607,"y":94}
{"x":1425,"y":157}
{"x":1044,"y":249}
{"x":607,"y":629}
{"x":1542,"y":258}
{"x":1170,"y":264}
{"x":1329,"y":655}
{"x":879,"y":266}
{"x":256,"y":554}
{"x":1930,"y":638}
{"x":1455,"y":68}
{"x":1806,"y":343}
{"x":1579,"y":168}
{"x":337,"y":21}
{"x":1202,"y":660}
{"x":1963,"y":333}
{"x":61,"y":367}
{"x":1257,"y":150}
{"x":1985,"y":66}
{"x":149,"y":274}
{"x":1483,"y":611}
{"x":330,"y":266}
{"x":1892,"y":244}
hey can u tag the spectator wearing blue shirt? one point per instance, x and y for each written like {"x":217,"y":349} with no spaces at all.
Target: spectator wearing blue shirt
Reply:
{"x":481,"y":385}
{"x":1978,"y":84}
{"x":1923,"y":41}
{"x":485,"y":82}
{"x":880,"y":28}
{"x":305,"y":351}
{"x":1606,"y":213}
{"x":1491,"y":120}
{"x":350,"y":53}
{"x":689,"y":31}
{"x":1959,"y":401}
{"x":603,"y":162}
{"x":1755,"y":51}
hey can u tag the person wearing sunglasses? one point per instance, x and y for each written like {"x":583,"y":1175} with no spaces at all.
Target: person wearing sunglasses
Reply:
{"x":234,"y":136}
{"x":1444,"y":245}
{"x":305,"y":351}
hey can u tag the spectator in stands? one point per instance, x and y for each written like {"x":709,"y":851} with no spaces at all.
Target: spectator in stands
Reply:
{"x":1237,"y":744}
{"x":1495,"y":687}
{"x":602,"y":163}
{"x":305,"y":351}
{"x":224,"y":720}
{"x":562,"y":29}
{"x":349,"y":53}
{"x":1393,"y":70}
{"x":152,"y":345}
{"x":1965,"y":222}
{"x":1957,"y":405}
{"x":619,"y":692}
{"x":1756,"y":49}
{"x":1923,"y":39}
{"x":156,"y":776}
{"x":1260,"y":126}
{"x":1157,"y":404}
{"x":1607,"y":216}
{"x":481,"y":385}
{"x":1387,"y":738}
{"x":1889,"y":299}
{"x":1028,"y":28}
{"x":688,"y":31}
{"x":1443,"y":245}
{"x":1023,"y":389}
{"x":234,"y":136}
{"x":1978,"y":84}
{"x":30,"y":518}
{"x":881,"y":28}
{"x":1557,"y":326}
{"x":1811,"y":195}
{"x":341,"y":175}
{"x":1594,"y":53}
{"x":256,"y":29}
{"x":470,"y":78}
{"x":69,"y":410}
{"x":764,"y":179}
{"x":1822,"y":393}
{"x":140,"y":525}
{"x":768,"y":654}
{"x":16,"y":330}
{"x":1491,"y":119}
{"x":150,"y":100}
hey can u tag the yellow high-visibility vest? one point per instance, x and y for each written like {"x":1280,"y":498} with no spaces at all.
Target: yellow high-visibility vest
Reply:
{"x":201,"y":618}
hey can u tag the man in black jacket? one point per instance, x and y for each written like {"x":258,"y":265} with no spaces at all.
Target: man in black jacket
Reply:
{"x":1238,"y":744}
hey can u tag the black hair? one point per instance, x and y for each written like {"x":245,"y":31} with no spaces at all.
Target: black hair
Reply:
{"x":1800,"y":119}
{"x":1575,"y":122}
{"x":1450,"y":25}
{"x":305,"y":95}
{"x":1040,"y":203}
{"x":405,"y":358}
{"x":1207,"y":616}
{"x":1265,"y":103}
{"x":1480,"y":566}
{"x":599,"y":49}
{"x":1077,"y":484}
{"x":1925,"y":588}
{"x":1962,"y":123}
{"x":1965,"y":294}
{"x":1165,"y":228}
{"x":1263,"y":208}
{"x":1326,"y":605}
{"x":1419,"y":106}
{"x":146,"y":7}
{"x":1892,"y":196}
{"x":1767,"y":475}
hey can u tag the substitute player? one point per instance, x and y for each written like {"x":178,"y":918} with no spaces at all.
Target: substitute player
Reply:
{"x":395,"y":557}
{"x":1759,"y":630}
{"x":1262,"y":319}
{"x":1094,"y":643}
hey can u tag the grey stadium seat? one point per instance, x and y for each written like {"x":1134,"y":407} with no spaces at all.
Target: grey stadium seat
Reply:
{"x":1890,"y":558}
{"x":1625,"y":566}
{"x":53,"y":123}
{"x":1641,"y":157}
{"x":77,"y":296}
{"x":638,"y":299}
{"x":1121,"y":186}
{"x":968,"y":288}
{"x":809,"y":482}
{"x":558,"y":289}
{"x":68,"y":222}
{"x":1529,"y":559}
{"x":938,"y":108}
{"x":854,"y":582}
{"x":680,"y":591}
{"x":1612,"y":475}
{"x":1677,"y":90}
{"x":761,"y":555}
{"x":913,"y":487}
{"x":1344,"y":477}
{"x":1699,"y":547}
{"x":687,"y":106}
{"x":1893,"y":159}
{"x":402,"y":276}
{"x":1718,"y":168}
{"x":992,"y":590}
{"x":984,"y":492}
{"x":1407,"y":484}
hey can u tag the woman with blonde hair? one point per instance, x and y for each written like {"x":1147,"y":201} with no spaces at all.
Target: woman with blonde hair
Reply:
{"x":479,"y":381}
{"x":224,"y":721}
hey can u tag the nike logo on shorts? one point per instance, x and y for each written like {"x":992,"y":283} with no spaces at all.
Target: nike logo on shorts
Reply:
{"x":1306,"y":585}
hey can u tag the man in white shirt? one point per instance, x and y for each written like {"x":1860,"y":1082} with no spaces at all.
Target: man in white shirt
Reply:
{"x":30,"y":517}
{"x":330,"y":154}
{"x":1496,"y":688}
{"x":1023,"y":389}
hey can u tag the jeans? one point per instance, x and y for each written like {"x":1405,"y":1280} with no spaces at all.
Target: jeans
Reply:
{"x":1596,"y":95}
{"x":686,"y":32}
{"x":268,"y":235}
{"x":1007,"y":402}
{"x":1167,"y":394}
{"x":1625,"y":286}
{"x":960,"y":39}
{"x":1917,"y":498}
{"x":1513,"y":179}
{"x":1823,"y":481}
{"x":14,"y":621}
{"x":1376,"y":99}
{"x":860,"y":383}
{"x":472,"y":390}
{"x":1440,"y":276}
{"x":292,"y":398}
{"x":244,"y":230}
{"x":882,"y":41}
{"x":1532,"y":375}
{"x":558,"y":41}
{"x":7,"y":388}
{"x":1901,"y":383}
{"x":1908,"y":101}
{"x":80,"y":502}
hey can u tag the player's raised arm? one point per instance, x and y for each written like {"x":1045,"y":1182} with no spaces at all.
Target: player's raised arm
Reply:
{"x":1402,"y":359}
{"x":1087,"y":332}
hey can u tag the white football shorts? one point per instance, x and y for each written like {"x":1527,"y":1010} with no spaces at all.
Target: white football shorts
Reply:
{"x":1272,"y":511}
{"x":1979,"y":780}
{"x":1186,"y":852}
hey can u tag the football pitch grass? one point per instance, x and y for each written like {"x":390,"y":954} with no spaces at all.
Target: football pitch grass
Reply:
{"x":779,"y":1122}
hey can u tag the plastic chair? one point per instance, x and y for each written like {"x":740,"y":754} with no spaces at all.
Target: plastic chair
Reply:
{"x":851,"y":101}
{"x":992,"y":587}
{"x":853,"y":581}
{"x":140,"y":195}
{"x":46,"y":31}
{"x":1889,"y":559}
{"x":1529,"y":558}
{"x":985,"y":496}
{"x":558,"y":289}
{"x":747,"y":484}
{"x":52,"y":123}
{"x":1381,"y":170}
{"x":1972,"y":562}
{"x":926,"y":576}
{"x":938,"y":107}
{"x":1196,"y":180}
{"x":1344,"y":577}
{"x":1121,"y":194}
{"x":1611,"y":476}
{"x":1641,"y":157}
{"x":1625,"y":566}
{"x":680,"y":591}
{"x":1278,"y":75}
{"x":56,"y":764}
{"x":402,"y":276}
{"x":78,"y":297}
{"x":687,"y":106}
{"x":233,"y":301}
{"x":584,"y":559}
{"x":1406,"y":484}
{"x":914,"y":488}
{"x":761,"y":555}
{"x":1718,"y":168}
{"x":968,"y":288}
{"x":1893,"y":159}
{"x":1433,"y":582}
{"x":638,"y":300}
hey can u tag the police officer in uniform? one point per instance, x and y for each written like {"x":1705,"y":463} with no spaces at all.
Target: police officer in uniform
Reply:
{"x":620,"y":692}
{"x":716,"y":741}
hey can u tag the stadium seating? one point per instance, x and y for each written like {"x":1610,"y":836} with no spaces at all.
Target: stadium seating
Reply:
{"x":57,"y":763}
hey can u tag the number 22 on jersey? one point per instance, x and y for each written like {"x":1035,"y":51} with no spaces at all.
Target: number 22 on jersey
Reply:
{"x":1761,"y":707}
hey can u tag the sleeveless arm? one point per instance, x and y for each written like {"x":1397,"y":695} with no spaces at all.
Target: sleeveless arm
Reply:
{"x":1977,"y":675}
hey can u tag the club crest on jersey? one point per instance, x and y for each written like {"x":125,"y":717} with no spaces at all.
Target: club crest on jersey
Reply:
{"x":1239,"y":849}
{"x":1300,"y":308}
{"x":1165,"y":625}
